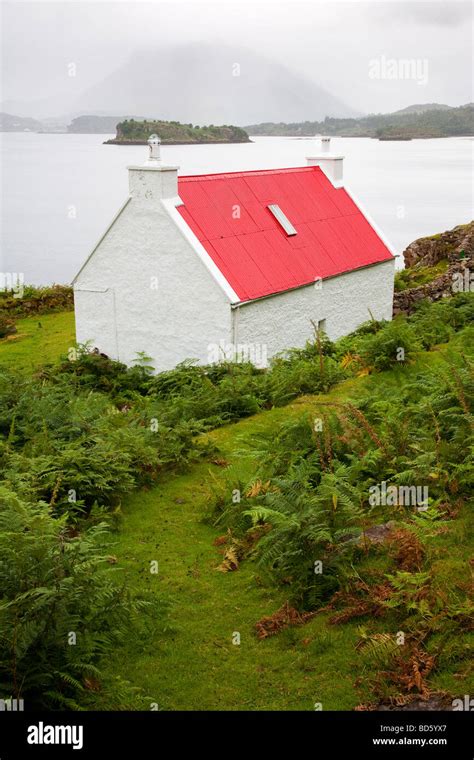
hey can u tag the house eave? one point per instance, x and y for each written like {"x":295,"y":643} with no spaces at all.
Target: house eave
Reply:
{"x":238,"y":304}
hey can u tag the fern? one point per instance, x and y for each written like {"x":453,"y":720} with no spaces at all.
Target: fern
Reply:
{"x":53,"y":584}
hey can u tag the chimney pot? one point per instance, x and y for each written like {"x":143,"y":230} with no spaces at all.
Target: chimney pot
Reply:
{"x":154,"y":148}
{"x":330,"y":163}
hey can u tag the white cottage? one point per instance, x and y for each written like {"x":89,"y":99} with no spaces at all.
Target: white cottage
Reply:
{"x":242,"y":264}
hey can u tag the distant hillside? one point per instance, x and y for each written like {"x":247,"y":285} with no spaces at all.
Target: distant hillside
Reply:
{"x":422,"y":107}
{"x":10,"y":123}
{"x":131,"y":132}
{"x":210,"y":84}
{"x":400,"y":125}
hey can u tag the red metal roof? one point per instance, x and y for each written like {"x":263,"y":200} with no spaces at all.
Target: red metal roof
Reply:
{"x":228,"y":213}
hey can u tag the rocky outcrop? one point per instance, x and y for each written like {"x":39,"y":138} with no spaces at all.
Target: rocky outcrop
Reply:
{"x":449,"y":245}
{"x":457,"y":247}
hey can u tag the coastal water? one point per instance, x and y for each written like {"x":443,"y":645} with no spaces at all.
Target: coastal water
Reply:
{"x":59,"y":192}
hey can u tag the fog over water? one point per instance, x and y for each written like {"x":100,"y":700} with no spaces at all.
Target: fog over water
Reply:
{"x":328,"y":43}
{"x":61,"y":191}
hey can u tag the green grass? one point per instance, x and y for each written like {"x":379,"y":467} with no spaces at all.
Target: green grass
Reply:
{"x":193,"y":664}
{"x":416,"y":276}
{"x":39,"y":340}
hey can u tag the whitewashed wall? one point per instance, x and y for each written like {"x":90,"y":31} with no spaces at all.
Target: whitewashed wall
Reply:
{"x":284,"y":321}
{"x":151,"y":287}
{"x":178,"y":320}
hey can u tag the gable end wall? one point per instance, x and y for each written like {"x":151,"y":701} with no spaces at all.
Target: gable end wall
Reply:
{"x":121,"y":313}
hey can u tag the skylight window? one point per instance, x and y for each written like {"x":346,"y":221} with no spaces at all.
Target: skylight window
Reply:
{"x":282,"y":219}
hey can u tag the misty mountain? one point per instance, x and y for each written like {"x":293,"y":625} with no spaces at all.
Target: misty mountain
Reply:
{"x":207,"y":84}
{"x":92,"y":124}
{"x":61,"y":106}
{"x":11,"y":123}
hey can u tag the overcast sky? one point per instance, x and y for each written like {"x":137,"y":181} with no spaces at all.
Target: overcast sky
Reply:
{"x":330,"y":42}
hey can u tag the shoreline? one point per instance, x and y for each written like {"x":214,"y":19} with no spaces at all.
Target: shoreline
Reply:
{"x":235,"y":142}
{"x":178,"y":142}
{"x":369,"y":137}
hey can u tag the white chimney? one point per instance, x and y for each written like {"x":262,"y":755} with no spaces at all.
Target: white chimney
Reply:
{"x":153,"y":180}
{"x":330,"y":163}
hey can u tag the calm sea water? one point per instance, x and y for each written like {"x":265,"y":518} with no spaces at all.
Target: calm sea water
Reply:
{"x":60,"y":191}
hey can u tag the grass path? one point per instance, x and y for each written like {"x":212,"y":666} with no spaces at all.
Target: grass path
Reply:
{"x":196,"y":665}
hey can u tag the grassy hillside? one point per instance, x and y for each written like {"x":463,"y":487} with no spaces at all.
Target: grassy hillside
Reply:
{"x":159,"y":459}
{"x":195,"y":665}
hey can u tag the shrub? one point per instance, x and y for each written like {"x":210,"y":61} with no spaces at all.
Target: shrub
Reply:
{"x":60,"y":608}
{"x":294,"y":376}
{"x":36,"y":300}
{"x":77,"y":450}
{"x":432,"y":330}
{"x":395,"y":343}
{"x":309,"y":513}
{"x":311,"y":486}
{"x":456,"y":312}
